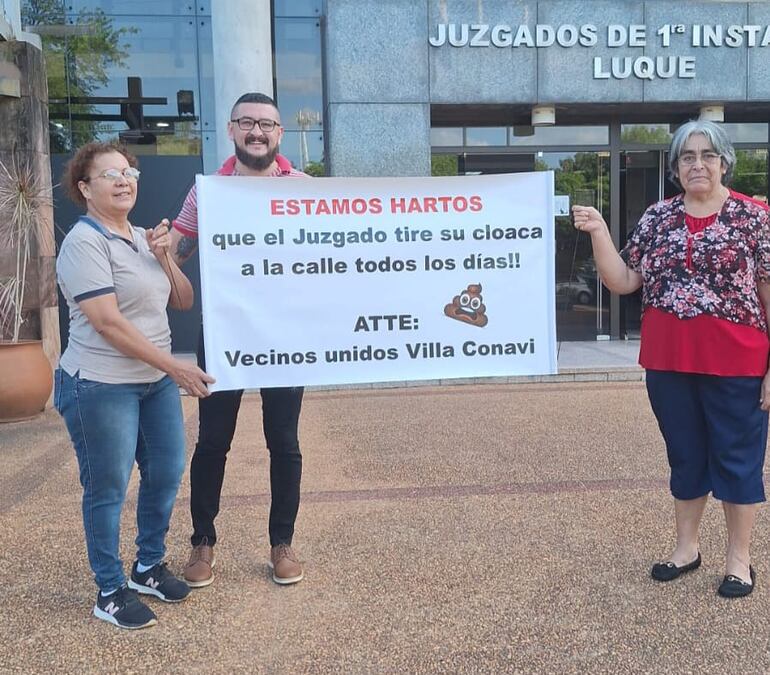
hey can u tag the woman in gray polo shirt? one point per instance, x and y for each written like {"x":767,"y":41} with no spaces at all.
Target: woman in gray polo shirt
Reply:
{"x":117,"y":385}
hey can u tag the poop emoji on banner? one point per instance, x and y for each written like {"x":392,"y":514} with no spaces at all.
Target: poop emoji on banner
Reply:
{"x":468,"y":307}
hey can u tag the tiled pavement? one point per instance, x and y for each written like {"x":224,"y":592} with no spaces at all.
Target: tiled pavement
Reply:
{"x":479,"y":528}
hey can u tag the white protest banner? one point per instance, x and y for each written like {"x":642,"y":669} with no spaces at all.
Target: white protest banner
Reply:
{"x":319,"y":281}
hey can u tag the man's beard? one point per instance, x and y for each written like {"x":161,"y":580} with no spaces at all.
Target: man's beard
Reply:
{"x":256,"y":163}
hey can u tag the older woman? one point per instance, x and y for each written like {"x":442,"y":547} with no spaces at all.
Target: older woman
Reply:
{"x":702,"y":259}
{"x":117,"y":383}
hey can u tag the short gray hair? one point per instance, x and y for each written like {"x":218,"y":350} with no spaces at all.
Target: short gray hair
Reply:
{"x":716,"y":136}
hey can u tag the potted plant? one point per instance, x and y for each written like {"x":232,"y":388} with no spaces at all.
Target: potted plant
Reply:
{"x":25,"y":372}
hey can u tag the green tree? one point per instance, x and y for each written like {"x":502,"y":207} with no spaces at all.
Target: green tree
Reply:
{"x":750,"y":175}
{"x":316,"y":169}
{"x":78,"y":58}
{"x":655,"y":135}
{"x":184,"y":140}
{"x":443,"y":165}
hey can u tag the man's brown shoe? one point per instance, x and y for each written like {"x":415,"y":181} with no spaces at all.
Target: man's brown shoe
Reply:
{"x":285,"y":566}
{"x":199,"y":570}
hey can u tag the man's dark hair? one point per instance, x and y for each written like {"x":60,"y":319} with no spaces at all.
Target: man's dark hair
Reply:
{"x":254,"y":97}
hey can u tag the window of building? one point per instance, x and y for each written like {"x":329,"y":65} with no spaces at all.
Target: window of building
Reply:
{"x":133,"y":7}
{"x":582,"y":302}
{"x":446,"y":136}
{"x":746,"y":132}
{"x":299,"y":89}
{"x":750,"y":176}
{"x":660,"y":134}
{"x":557,"y":135}
{"x":443,"y":165}
{"x":485,"y":136}
{"x":645,"y":134}
{"x":118,"y":77}
{"x":305,"y":149}
{"x":306,"y":8}
{"x":207,"y":106}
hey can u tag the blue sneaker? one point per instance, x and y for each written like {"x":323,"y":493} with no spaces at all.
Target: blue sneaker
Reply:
{"x":158,"y":581}
{"x":124,"y":609}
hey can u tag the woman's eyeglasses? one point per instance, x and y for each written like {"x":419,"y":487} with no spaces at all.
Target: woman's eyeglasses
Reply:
{"x":689,"y":158}
{"x":129,"y":173}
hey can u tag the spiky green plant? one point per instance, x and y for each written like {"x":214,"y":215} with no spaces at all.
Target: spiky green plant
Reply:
{"x":23,"y":197}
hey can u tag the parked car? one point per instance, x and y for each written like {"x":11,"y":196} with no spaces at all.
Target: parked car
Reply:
{"x":576,"y":292}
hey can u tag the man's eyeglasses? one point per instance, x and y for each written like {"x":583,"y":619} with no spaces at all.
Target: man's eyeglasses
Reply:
{"x":247,"y":124}
{"x":129,"y":173}
{"x":689,"y":158}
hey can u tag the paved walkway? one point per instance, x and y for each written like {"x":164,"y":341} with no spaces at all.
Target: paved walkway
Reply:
{"x":468,"y":529}
{"x":598,"y":355}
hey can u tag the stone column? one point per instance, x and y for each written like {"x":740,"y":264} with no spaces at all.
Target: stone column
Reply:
{"x":243,"y":58}
{"x":378,"y":88}
{"x":24,"y":139}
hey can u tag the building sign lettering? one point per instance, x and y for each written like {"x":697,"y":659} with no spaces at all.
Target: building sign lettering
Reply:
{"x":669,"y":36}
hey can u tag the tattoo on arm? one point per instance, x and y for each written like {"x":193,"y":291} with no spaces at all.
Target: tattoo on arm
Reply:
{"x":185,"y":248}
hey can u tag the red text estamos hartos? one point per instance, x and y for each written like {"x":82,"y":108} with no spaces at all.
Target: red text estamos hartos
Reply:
{"x":358,"y":206}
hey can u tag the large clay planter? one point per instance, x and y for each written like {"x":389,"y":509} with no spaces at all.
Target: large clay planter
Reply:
{"x":25,"y":380}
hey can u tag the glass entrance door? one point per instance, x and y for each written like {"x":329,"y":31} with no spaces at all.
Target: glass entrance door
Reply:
{"x":643,"y":181}
{"x":640,"y":186}
{"x":582,"y":302}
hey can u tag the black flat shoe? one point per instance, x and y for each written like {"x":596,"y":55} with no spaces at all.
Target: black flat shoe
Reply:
{"x":668,"y":571}
{"x":735,"y":587}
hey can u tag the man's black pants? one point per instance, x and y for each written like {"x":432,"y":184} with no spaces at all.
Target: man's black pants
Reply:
{"x":218,"y":415}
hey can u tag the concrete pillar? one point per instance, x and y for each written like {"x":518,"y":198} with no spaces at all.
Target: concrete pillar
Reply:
{"x":378,"y":114}
{"x":243,"y":58}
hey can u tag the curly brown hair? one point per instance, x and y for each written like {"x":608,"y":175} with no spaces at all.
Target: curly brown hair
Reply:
{"x":78,"y":167}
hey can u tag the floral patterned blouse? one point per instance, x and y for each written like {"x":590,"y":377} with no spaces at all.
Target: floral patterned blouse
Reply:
{"x":712,"y":272}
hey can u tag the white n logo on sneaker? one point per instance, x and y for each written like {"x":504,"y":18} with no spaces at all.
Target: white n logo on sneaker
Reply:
{"x":152,"y":583}
{"x":111,"y":609}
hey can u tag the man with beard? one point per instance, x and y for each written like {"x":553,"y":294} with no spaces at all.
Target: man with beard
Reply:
{"x":255,"y":129}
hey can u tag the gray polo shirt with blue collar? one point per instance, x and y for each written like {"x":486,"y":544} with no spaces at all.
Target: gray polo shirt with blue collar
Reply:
{"x":94,"y":261}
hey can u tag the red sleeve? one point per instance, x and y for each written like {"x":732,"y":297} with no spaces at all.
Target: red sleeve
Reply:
{"x":187,"y":220}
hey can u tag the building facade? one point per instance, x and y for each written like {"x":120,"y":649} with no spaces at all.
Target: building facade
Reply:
{"x":589,"y":89}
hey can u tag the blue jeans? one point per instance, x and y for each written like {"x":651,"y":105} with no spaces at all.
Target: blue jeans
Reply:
{"x":111,"y":426}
